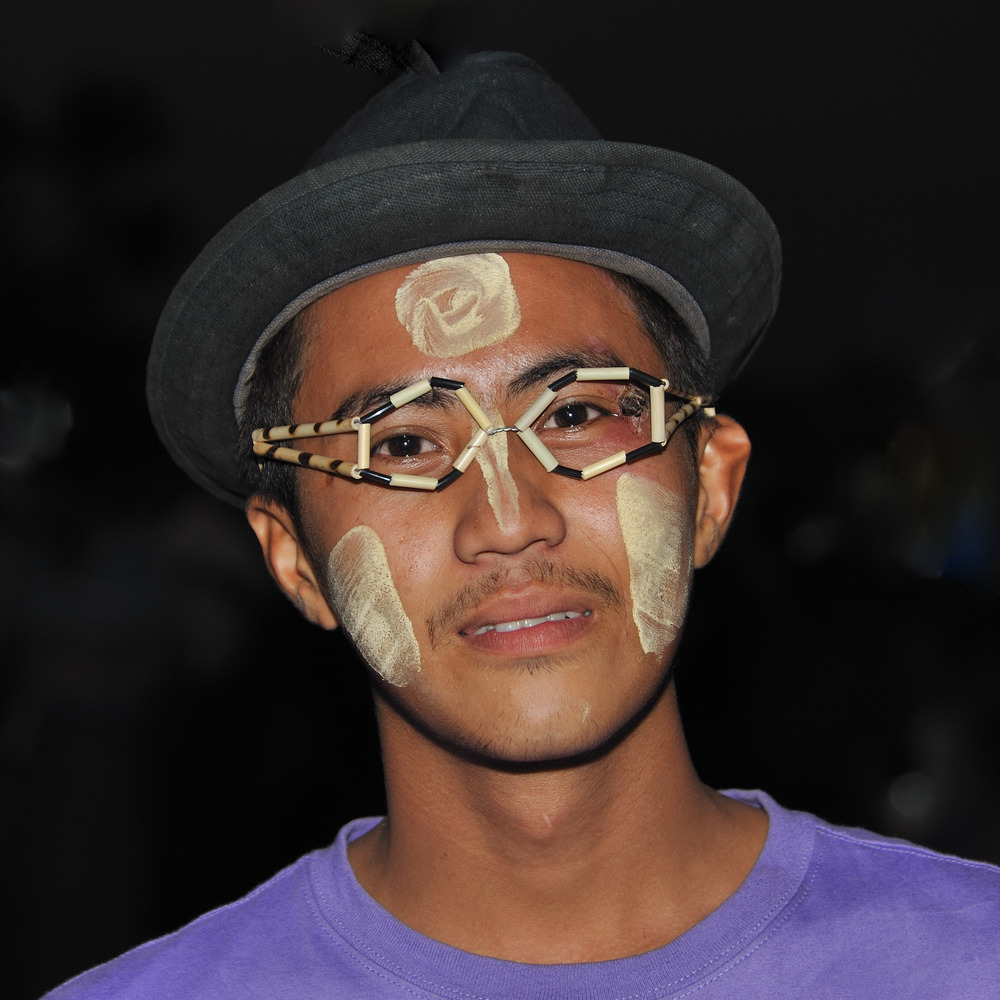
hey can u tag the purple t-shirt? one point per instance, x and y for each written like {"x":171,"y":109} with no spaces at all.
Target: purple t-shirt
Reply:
{"x":826,"y":912}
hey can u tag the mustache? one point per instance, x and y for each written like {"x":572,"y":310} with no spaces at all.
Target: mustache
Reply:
{"x":444,"y":623}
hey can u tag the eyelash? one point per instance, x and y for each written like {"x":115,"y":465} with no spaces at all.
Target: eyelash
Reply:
{"x":380,"y":447}
{"x":592,"y":412}
{"x":631,"y":403}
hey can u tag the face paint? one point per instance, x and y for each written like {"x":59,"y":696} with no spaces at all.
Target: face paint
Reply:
{"x":361,"y":589}
{"x":500,"y":486}
{"x":659,"y":559}
{"x":453,"y":305}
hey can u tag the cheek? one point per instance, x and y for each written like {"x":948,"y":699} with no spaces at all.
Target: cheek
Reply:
{"x":369,"y":608}
{"x":659,"y":552}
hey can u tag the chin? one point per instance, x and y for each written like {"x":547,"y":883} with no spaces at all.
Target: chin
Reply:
{"x":555,"y":720}
{"x":540,"y":744}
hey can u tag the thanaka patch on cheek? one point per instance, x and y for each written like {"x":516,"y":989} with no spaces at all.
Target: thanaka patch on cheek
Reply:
{"x":454,"y":305}
{"x":369,"y":607}
{"x":659,"y":559}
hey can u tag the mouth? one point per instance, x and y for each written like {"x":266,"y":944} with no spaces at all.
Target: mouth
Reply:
{"x":522,"y":623}
{"x":536,"y":605}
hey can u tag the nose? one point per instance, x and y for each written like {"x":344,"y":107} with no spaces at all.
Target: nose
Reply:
{"x":508,"y":504}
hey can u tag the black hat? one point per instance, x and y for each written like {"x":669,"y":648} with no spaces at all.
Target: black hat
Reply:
{"x":489,"y":155}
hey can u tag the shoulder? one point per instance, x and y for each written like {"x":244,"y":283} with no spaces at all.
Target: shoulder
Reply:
{"x":899,"y":873}
{"x":191,"y":962}
{"x":869,"y":864}
{"x":868,"y":904}
{"x":235,"y":951}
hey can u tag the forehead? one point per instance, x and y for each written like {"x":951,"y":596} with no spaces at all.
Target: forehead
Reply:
{"x":540,"y":306}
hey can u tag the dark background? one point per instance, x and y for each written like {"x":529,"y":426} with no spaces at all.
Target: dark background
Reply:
{"x":170,"y":734}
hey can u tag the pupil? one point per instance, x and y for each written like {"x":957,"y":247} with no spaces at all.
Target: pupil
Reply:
{"x":403,"y":446}
{"x":572,"y":415}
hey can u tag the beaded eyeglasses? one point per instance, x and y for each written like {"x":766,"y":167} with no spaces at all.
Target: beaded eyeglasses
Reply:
{"x":586,"y":422}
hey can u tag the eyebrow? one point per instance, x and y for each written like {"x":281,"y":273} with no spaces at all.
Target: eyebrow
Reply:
{"x":359,"y":403}
{"x":538,"y":375}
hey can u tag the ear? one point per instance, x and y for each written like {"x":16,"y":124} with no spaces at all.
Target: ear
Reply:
{"x":725,"y":450}
{"x":287,"y":562}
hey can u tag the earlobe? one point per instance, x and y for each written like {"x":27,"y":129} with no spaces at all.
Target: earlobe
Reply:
{"x":724,"y":452}
{"x":287,"y":562}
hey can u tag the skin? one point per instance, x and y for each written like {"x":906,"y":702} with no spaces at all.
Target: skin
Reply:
{"x":542,"y":804}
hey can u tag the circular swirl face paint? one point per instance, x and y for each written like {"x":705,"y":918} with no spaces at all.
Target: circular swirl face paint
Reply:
{"x":368,"y":605}
{"x":454,"y":305}
{"x":659,"y":559}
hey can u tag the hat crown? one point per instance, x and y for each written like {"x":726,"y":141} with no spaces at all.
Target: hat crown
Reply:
{"x":486,"y":95}
{"x":490,"y":154}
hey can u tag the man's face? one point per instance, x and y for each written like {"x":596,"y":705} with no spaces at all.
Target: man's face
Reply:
{"x":437,"y":589}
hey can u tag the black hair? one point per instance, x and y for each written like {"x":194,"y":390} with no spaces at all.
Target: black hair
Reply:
{"x":271,"y":391}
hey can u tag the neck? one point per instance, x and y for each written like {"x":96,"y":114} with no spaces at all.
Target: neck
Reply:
{"x":588,"y":862}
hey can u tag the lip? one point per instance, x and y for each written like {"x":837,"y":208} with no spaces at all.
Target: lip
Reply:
{"x":558,"y":619}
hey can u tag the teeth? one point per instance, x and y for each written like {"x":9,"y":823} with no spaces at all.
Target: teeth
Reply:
{"x":520,"y":623}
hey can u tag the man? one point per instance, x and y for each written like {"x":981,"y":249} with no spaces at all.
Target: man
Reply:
{"x":460,"y":373}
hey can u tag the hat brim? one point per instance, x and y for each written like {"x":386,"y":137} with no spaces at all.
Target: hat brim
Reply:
{"x":687,"y":229}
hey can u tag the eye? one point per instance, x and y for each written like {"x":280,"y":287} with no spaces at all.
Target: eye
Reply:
{"x":573,"y":414}
{"x":402,"y":446}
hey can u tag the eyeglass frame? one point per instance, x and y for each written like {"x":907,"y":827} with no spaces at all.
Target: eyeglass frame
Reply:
{"x":266,"y":440}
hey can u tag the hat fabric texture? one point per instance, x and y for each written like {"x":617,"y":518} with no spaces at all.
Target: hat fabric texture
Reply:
{"x":489,"y":155}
